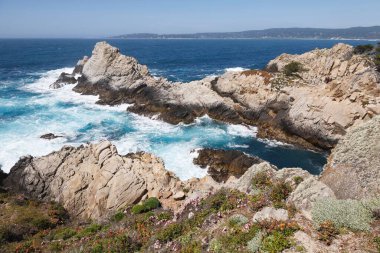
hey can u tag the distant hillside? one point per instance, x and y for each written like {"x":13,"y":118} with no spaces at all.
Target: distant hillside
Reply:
{"x":274,"y":33}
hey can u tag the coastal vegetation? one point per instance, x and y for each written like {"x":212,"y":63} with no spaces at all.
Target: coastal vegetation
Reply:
{"x":361,"y":49}
{"x":146,"y":206}
{"x":131,"y":203}
{"x":371,"y":50}
{"x":293,"y":68}
{"x":51,"y":229}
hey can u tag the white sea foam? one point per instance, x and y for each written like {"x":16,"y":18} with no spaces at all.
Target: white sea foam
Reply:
{"x":22,"y":135}
{"x":80,"y":120}
{"x":274,"y":143}
{"x":242,"y":130}
{"x":47,"y":78}
{"x":237,"y":146}
{"x":236,"y":69}
{"x":65,"y":94}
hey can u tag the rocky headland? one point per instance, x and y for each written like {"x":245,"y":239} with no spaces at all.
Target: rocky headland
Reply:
{"x":313,"y":106}
{"x":91,"y":197}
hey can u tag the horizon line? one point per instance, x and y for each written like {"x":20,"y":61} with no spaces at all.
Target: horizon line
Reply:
{"x":195,"y":33}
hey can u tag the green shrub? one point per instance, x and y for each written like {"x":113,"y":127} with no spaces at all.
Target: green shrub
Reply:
{"x":172,"y":231}
{"x":164,"y":216}
{"x":7,"y":235}
{"x":237,"y":220}
{"x":136,"y":209}
{"x":352,"y":214}
{"x":215,"y":246}
{"x":255,"y":243}
{"x":377,"y":243}
{"x":55,"y":247}
{"x":293,"y":68}
{"x":42,"y":223}
{"x":146,"y":206}
{"x":118,"y":216}
{"x":152,"y":203}
{"x":261,"y":180}
{"x":237,"y":239}
{"x":377,"y":62}
{"x":327,"y":232}
{"x":275,"y":242}
{"x":297,"y":180}
{"x":361,"y":49}
{"x":27,"y":247}
{"x":218,"y":200}
{"x":90,"y":230}
{"x":280,"y":191}
{"x":97,"y":248}
{"x":192,"y":247}
{"x":115,"y":243}
{"x":58,"y":212}
{"x":65,"y":234}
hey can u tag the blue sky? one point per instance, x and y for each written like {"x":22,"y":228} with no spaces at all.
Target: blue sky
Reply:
{"x":94,"y":18}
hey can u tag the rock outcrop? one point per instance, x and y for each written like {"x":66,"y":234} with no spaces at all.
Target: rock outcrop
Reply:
{"x":221,"y":164}
{"x":94,"y":181}
{"x":79,"y":67}
{"x":335,"y":91}
{"x":91,"y":181}
{"x":50,"y":136}
{"x":62,"y":80}
{"x":353,"y":169}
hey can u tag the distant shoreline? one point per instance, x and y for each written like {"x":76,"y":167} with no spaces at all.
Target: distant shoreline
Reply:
{"x":112,"y":38}
{"x":241,"y":39}
{"x":352,"y":33}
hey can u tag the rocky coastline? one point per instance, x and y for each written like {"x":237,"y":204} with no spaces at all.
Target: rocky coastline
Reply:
{"x":329,"y":100}
{"x":335,"y":89}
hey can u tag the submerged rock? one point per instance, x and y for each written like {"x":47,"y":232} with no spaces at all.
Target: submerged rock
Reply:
{"x":50,"y":136}
{"x":62,"y":80}
{"x":221,"y":164}
{"x":353,"y":169}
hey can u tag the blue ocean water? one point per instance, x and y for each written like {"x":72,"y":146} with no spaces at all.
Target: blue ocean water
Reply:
{"x":28,"y":108}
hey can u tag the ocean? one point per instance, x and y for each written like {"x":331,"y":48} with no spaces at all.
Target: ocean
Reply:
{"x":29,"y":109}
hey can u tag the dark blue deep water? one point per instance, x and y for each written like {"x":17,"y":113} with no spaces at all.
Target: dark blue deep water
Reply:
{"x":28,"y":108}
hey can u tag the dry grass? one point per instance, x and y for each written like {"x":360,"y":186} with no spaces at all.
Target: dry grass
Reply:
{"x":266,"y":75}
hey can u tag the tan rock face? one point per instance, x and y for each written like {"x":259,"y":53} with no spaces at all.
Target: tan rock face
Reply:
{"x":270,"y":213}
{"x":336,"y":90}
{"x":106,"y":63}
{"x":353,"y":170}
{"x":94,"y":181}
{"x":91,"y":181}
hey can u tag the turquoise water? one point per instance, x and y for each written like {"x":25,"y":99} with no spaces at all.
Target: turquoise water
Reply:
{"x":28,"y":108}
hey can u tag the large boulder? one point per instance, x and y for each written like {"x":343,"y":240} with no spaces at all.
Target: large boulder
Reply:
{"x":270,"y":214}
{"x":107,"y":65}
{"x":91,"y":181}
{"x":63,"y":79}
{"x":307,"y":193}
{"x":353,"y":169}
{"x":221,"y":164}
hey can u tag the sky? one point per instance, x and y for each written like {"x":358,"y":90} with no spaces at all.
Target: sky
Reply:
{"x":103,"y":18}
